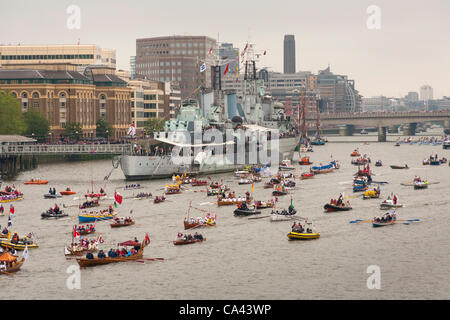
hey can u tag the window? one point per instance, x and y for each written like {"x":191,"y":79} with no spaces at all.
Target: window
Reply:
{"x":36,"y":104}
{"x":35,"y":95}
{"x":24,"y":95}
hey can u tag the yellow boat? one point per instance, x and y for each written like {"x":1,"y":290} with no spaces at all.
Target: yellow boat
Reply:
{"x":17,"y":246}
{"x":302,"y":236}
{"x":10,"y":200}
{"x":371,"y":194}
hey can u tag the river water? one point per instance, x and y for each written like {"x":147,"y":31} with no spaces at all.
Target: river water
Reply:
{"x":250,"y":259}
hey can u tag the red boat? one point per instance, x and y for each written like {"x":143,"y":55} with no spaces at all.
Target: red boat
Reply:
{"x":198,"y":183}
{"x":307,"y":176}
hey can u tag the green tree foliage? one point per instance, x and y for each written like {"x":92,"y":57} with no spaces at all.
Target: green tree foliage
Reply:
{"x":154,"y":125}
{"x":11,"y":118}
{"x":36,"y":125}
{"x":104,"y":129}
{"x":73,"y":131}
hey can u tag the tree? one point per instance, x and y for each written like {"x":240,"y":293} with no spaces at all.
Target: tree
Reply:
{"x":36,"y":125}
{"x":104,"y":129}
{"x":73,"y":131}
{"x":154,"y":125}
{"x":11,"y":117}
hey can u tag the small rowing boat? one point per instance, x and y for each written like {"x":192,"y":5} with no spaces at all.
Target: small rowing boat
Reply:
{"x":305,"y":175}
{"x":52,"y":196}
{"x":303,"y":236}
{"x":67,"y":192}
{"x":17,"y":246}
{"x":96,"y":216}
{"x":305,"y":161}
{"x":119,"y":224}
{"x":191,"y":241}
{"x":389,"y":204}
{"x":36,"y":181}
{"x":332,"y":208}
{"x":86,"y":262}
{"x":399,"y":167}
{"x":11,"y":263}
{"x":53,"y":215}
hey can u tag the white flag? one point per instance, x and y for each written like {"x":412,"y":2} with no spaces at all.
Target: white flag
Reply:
{"x":25,"y":253}
{"x":203,"y":67}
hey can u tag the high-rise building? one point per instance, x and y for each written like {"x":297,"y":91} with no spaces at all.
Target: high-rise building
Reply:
{"x":337,"y":92}
{"x":80,"y":54}
{"x":289,"y":53}
{"x":426,"y":93}
{"x":412,"y":96}
{"x":133,"y":67}
{"x":176,"y":59}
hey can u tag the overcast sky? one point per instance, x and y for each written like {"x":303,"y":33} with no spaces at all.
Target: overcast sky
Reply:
{"x":412,"y":47}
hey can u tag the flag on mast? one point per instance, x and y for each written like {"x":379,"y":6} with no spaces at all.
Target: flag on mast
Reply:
{"x":25,"y":253}
{"x":132,"y":130}
{"x":117,"y":197}
{"x":203,"y":67}
{"x":11,"y":209}
{"x":226,"y":69}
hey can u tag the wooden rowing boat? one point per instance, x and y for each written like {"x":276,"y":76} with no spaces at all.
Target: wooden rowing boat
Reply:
{"x":182,"y":241}
{"x":233,"y":201}
{"x":118,"y":224}
{"x":12,"y":265}
{"x":85,"y":262}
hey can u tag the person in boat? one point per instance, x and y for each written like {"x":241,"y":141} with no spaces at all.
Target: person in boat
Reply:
{"x":102,"y":191}
{"x":15,"y":238}
{"x":101,"y":254}
{"x":56,"y":209}
{"x":111,"y":253}
{"x":2,"y":209}
{"x":89,"y":255}
{"x":110,"y":209}
{"x":124,"y":252}
{"x":395,"y":199}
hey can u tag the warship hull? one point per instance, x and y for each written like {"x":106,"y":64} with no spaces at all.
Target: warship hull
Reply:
{"x":157,"y":167}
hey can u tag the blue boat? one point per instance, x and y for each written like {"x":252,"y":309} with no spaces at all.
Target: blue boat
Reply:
{"x":358,"y":188}
{"x":317,"y":143}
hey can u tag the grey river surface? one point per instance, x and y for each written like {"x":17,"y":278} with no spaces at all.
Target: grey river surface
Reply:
{"x":250,"y":259}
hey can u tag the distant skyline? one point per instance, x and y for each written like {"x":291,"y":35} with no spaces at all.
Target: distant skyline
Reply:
{"x":411,"y":48}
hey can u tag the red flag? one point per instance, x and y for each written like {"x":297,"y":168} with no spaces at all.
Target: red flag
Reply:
{"x":117,"y":197}
{"x":210,"y":51}
{"x":11,"y":209}
{"x":265,"y":52}
{"x":147,"y":238}
{"x":226,"y":69}
{"x":75,"y":232}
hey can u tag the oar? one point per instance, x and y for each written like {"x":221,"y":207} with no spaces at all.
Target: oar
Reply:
{"x":259,"y":217}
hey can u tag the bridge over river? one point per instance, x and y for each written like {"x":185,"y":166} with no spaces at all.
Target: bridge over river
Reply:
{"x":382,"y":120}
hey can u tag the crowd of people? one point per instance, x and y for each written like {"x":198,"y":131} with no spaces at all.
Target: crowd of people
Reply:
{"x":89,"y":204}
{"x":132,"y":186}
{"x":85,"y":229}
{"x":189,"y":237}
{"x":144,"y":195}
{"x":123,"y":220}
